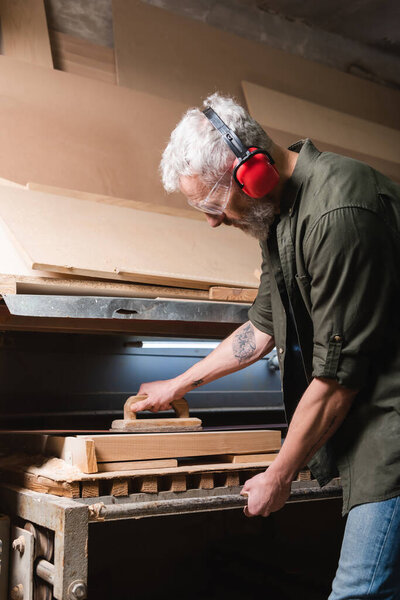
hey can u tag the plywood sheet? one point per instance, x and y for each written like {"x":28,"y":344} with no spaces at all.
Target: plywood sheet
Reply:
{"x":11,"y":261}
{"x":24,"y":31}
{"x":74,"y":236}
{"x":307,"y":119}
{"x":389,"y":168}
{"x":179,"y":58}
{"x":75,"y":55}
{"x":163,"y":209}
{"x":74,"y":132}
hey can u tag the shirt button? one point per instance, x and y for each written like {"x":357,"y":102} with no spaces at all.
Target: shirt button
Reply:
{"x":337,"y":338}
{"x":280,"y":350}
{"x":290,"y":211}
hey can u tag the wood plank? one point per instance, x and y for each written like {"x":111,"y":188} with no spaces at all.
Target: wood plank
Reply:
{"x":231,"y":479}
{"x":44,"y":485}
{"x":171,"y":445}
{"x":90,"y":489}
{"x":308,"y":119}
{"x":120,"y":487}
{"x":163,"y":209}
{"x":148,"y":484}
{"x":12,"y":263}
{"x":79,"y":56}
{"x":11,"y":183}
{"x":97,"y":240}
{"x":174,"y":483}
{"x":187,"y":58}
{"x":155,"y":425}
{"x":86,"y":135}
{"x":205,"y":481}
{"x":232,"y":294}
{"x":249,"y":458}
{"x":135,"y":465}
{"x":22,"y":284}
{"x":24,"y":31}
{"x":78,"y":452}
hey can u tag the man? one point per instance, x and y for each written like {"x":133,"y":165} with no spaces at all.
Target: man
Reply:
{"x":329,"y":230}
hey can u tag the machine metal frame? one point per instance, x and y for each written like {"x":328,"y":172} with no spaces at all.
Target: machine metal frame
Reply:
{"x":69,"y":519}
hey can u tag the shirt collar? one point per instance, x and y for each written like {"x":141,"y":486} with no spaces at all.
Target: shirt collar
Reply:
{"x":308,"y":154}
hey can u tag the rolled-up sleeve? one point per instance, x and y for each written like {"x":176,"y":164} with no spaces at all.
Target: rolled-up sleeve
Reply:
{"x":350,"y":258}
{"x":260,"y":313}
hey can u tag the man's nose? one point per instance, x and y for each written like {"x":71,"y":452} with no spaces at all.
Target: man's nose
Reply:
{"x":214,"y":220}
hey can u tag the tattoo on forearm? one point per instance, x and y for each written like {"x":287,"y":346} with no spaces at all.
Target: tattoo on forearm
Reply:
{"x":317,"y":443}
{"x":197,"y":382}
{"x":244,"y":343}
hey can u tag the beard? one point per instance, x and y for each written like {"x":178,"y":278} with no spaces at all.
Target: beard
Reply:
{"x":257,"y":220}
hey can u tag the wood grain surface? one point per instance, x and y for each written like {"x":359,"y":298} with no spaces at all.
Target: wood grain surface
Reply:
{"x":24,"y":31}
{"x":77,"y":237}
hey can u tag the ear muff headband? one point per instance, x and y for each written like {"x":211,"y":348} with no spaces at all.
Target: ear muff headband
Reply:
{"x":230,"y":138}
{"x":253,"y":168}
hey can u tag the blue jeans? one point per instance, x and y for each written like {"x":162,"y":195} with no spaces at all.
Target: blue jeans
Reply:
{"x":369,"y":565}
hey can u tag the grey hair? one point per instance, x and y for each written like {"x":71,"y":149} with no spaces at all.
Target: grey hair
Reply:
{"x":196,"y":148}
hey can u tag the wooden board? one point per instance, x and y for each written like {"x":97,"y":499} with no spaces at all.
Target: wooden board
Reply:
{"x":20,"y":284}
{"x":232,"y":294}
{"x":8,"y":182}
{"x":178,"y":445}
{"x":74,"y":132}
{"x":136,"y":465}
{"x":189,"y":59}
{"x":250,"y":458}
{"x":24,"y":31}
{"x":12,"y":263}
{"x":163,"y":209}
{"x":156,"y":425}
{"x":76,"y":451}
{"x":76,"y":55}
{"x":78,"y":237}
{"x":308,"y":119}
{"x":179,"y":58}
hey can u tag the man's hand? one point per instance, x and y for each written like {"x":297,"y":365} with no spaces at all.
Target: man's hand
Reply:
{"x":160,"y":394}
{"x":266,"y":492}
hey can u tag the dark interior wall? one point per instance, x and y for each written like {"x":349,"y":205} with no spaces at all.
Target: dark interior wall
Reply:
{"x":66,"y":380}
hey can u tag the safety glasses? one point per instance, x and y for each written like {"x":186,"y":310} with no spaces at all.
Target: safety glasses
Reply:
{"x":218,"y":197}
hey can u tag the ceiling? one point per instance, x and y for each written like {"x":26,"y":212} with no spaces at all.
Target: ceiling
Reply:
{"x":361,"y":37}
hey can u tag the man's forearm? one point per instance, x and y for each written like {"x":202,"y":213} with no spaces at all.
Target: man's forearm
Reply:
{"x":319,"y":414}
{"x":243,"y":347}
{"x":246,"y":345}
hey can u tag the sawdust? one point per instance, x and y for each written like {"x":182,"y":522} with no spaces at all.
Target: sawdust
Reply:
{"x":53,"y":468}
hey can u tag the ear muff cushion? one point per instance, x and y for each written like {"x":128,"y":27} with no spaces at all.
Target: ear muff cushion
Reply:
{"x":256,"y":176}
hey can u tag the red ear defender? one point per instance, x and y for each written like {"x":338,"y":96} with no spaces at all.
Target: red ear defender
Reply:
{"x":253,"y":169}
{"x":255,"y":173}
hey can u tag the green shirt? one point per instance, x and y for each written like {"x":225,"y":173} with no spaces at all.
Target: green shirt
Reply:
{"x":330,"y":296}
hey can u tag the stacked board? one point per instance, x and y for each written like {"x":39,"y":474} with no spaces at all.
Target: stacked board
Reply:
{"x":99,"y":240}
{"x":91,"y":465}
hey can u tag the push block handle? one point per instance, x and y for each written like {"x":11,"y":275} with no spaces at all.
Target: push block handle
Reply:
{"x":180,"y":407}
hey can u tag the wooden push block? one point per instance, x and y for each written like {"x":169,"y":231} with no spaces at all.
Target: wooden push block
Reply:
{"x":182,"y":421}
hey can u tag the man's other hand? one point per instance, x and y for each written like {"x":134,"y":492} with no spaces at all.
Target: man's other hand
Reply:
{"x":266,"y":493}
